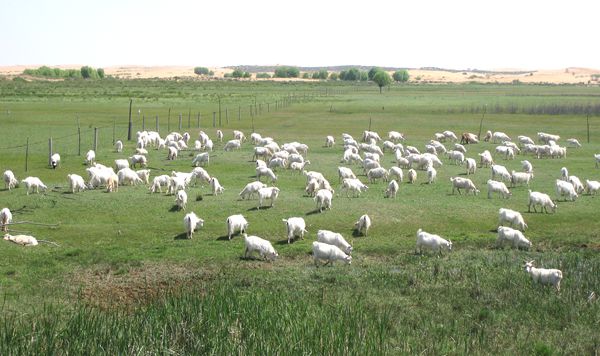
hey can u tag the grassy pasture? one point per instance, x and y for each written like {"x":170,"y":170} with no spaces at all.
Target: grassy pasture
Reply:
{"x":123,"y":266}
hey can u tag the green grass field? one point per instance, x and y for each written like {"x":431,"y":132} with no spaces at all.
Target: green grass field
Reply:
{"x":123,"y":281}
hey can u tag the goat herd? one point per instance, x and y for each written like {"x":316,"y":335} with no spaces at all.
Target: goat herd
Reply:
{"x":330,"y":246}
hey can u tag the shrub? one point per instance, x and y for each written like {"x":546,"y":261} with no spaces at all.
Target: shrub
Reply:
{"x":100,"y":72}
{"x":287,"y":72}
{"x":201,"y":71}
{"x":263,"y":75}
{"x":237,"y":73}
{"x":401,"y":76}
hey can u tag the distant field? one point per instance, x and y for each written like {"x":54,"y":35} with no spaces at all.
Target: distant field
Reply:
{"x":124,"y":277}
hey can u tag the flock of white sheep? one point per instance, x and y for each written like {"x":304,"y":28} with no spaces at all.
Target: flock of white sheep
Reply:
{"x":367,"y":154}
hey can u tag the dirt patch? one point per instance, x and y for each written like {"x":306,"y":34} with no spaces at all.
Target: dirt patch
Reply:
{"x":126,"y":287}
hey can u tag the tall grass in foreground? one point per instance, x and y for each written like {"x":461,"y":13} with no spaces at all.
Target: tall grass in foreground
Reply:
{"x":223,"y":320}
{"x":469,"y":302}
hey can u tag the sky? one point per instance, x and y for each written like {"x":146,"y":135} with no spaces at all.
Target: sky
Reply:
{"x":457,"y":34}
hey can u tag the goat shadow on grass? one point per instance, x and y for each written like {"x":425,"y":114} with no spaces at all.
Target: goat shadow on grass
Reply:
{"x":175,"y":209}
{"x":356,"y":233}
{"x":261,"y":208}
{"x":182,"y":236}
{"x":226,"y":238}
{"x":285,"y":242}
{"x":313,"y":212}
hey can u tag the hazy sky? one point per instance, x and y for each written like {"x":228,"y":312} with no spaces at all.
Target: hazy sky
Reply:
{"x":492,"y":34}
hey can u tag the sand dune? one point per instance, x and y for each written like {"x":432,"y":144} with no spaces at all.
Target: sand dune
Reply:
{"x":571,"y":75}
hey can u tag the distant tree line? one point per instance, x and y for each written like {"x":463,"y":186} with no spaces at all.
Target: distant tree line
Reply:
{"x":85,"y":72}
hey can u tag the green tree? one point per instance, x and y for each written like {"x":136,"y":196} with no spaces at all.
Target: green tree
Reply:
{"x":382,"y":78}
{"x":401,"y":76}
{"x":263,"y":75}
{"x":238,"y":73}
{"x":88,"y":72}
{"x":287,"y":72}
{"x":201,"y":71}
{"x":373,"y":71}
{"x":351,"y":74}
{"x":323,"y":74}
{"x":364,"y":76}
{"x":100,"y":73}
{"x":305,"y":75}
{"x":247,"y":75}
{"x":334,"y":76}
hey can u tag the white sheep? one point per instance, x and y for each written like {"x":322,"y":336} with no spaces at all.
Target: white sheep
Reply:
{"x":329,"y":141}
{"x":201,"y":159}
{"x":25,"y":240}
{"x":215,"y":186}
{"x":334,"y":238}
{"x":412,"y":176}
{"x":471,"y":166}
{"x":457,"y":156}
{"x":232,"y":145}
{"x":128,"y":176}
{"x":499,"y":137}
{"x":573,"y":142}
{"x":354,"y":185}
{"x":527,"y":167}
{"x":144,"y":175}
{"x":181,"y":199}
{"x":323,"y":198}
{"x":54,"y":160}
{"x":329,"y":253}
{"x":516,"y":237}
{"x":395,"y":136}
{"x":295,"y":227}
{"x":513,"y":217}
{"x":459,"y":183}
{"x":377,"y":173}
{"x":262,"y":246}
{"x":76,"y":183}
{"x":431,"y":175}
{"x":500,"y":171}
{"x":236,"y":223}
{"x":5,"y":219}
{"x":267,"y":193}
{"x":10,"y":181}
{"x":363,"y":224}
{"x":576,"y":182}
{"x":544,"y":275}
{"x":344,"y":172}
{"x":250,"y":189}
{"x":192,"y":222}
{"x":435,"y":243}
{"x":537,"y":198}
{"x":565,"y":189}
{"x":90,"y":157}
{"x":592,"y":186}
{"x":497,"y":187}
{"x":392,"y":189}
{"x":158,"y":182}
{"x":138,"y":159}
{"x":520,"y":177}
{"x":121,"y":163}
{"x":485,"y":159}
{"x":267,"y":172}
{"x":564,"y":174}
{"x":34,"y":184}
{"x":119,"y":146}
{"x":172,"y":154}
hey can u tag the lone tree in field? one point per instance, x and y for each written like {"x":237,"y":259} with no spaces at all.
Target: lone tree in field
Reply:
{"x":382,"y":79}
{"x":373,"y":71}
{"x":201,"y":71}
{"x":401,"y":76}
{"x":88,"y":72}
{"x":286,"y":72}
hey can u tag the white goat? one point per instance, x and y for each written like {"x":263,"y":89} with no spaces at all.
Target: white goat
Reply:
{"x":262,"y":246}
{"x":181,"y":199}
{"x":537,"y":198}
{"x":516,"y":237}
{"x":459,"y":183}
{"x":513,"y":217}
{"x":435,"y":243}
{"x":90,"y":157}
{"x":54,"y":160}
{"x":251,"y":188}
{"x":323,"y":199}
{"x":10,"y":181}
{"x":236,"y":223}
{"x":5,"y":219}
{"x":334,"y":238}
{"x":76,"y":183}
{"x":592,"y":186}
{"x":34,"y":184}
{"x":471,"y":166}
{"x":392,"y":189}
{"x":265,"y":171}
{"x":565,"y":189}
{"x":191,"y":222}
{"x":295,"y":227}
{"x":215,"y":186}
{"x":363,"y":224}
{"x":267,"y":193}
{"x":25,"y":240}
{"x":329,"y":253}
{"x":544,"y":275}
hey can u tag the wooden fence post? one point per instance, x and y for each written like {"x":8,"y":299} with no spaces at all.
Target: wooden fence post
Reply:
{"x":156,"y":125}
{"x":130,"y":123}
{"x":214,"y":118}
{"x":179,"y":122}
{"x":95,"y":139}
{"x":169,"y":121}
{"x":49,"y":150}
{"x":27,"y":155}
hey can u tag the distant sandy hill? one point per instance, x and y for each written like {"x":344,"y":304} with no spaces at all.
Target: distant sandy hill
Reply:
{"x":571,"y":75}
